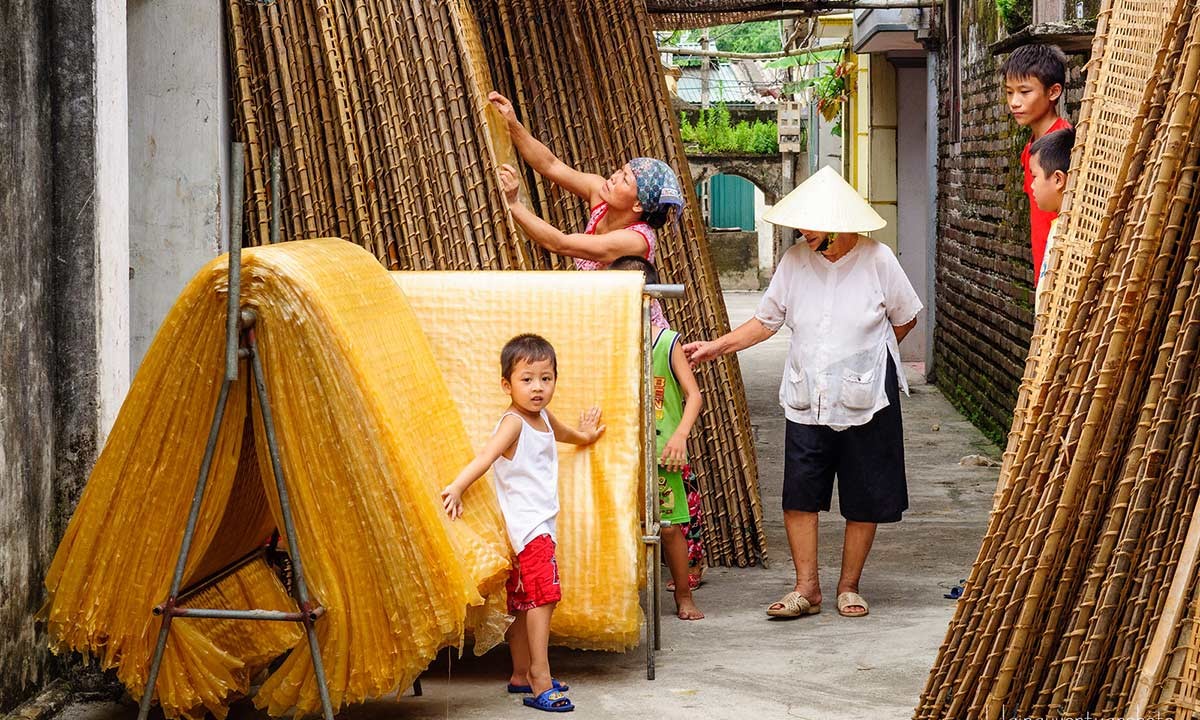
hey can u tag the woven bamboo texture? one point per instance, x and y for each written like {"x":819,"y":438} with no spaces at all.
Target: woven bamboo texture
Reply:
{"x":709,"y":18}
{"x":1077,"y":600}
{"x":387,"y":141}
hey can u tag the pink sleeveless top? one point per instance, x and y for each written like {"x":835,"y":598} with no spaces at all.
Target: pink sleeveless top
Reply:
{"x":656,"y":314}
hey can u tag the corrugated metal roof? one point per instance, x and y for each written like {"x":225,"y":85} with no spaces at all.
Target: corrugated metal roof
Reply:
{"x":739,"y":83}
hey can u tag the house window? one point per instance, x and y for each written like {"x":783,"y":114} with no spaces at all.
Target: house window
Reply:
{"x":954,"y":68}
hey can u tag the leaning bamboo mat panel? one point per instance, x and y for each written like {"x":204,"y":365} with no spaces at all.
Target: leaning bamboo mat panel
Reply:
{"x":1120,"y":78}
{"x":1076,"y":596}
{"x":615,"y":112}
{"x":379,"y":110}
{"x":352,"y":383}
{"x":594,"y":322}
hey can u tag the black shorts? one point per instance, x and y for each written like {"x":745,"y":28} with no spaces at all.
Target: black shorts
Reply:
{"x":868,"y":461}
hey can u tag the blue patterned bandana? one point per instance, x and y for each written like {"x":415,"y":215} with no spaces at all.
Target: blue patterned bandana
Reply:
{"x":656,"y":183}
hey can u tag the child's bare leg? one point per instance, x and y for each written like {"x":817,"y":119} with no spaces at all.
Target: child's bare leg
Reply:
{"x":518,"y":647}
{"x":537,"y":629}
{"x":675,"y":547}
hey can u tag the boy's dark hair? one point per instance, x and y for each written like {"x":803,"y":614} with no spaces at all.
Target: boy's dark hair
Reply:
{"x":1047,"y":63}
{"x":527,"y":347}
{"x":1053,"y":151}
{"x":633,"y":262}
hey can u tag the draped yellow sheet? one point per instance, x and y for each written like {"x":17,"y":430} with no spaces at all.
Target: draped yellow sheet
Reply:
{"x":369,"y":429}
{"x":593,"y":320}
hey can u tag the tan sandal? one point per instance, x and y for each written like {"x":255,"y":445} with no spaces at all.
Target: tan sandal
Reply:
{"x":852,"y":599}
{"x":793,"y":605}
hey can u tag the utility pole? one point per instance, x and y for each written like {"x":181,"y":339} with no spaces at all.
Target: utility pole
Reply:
{"x":704,"y":66}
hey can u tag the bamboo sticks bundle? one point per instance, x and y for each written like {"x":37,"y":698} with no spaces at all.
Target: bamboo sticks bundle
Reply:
{"x":1091,"y":552}
{"x":379,"y":110}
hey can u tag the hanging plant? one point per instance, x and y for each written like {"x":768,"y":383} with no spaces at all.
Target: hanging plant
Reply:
{"x":831,"y":90}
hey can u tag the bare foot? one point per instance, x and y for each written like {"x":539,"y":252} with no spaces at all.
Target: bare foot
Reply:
{"x":685,"y":608}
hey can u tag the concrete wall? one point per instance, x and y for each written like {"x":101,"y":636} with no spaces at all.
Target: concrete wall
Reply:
{"x":913,"y":244}
{"x":63,"y":305}
{"x":178,"y":153}
{"x":735,"y":255}
{"x":984,"y":268}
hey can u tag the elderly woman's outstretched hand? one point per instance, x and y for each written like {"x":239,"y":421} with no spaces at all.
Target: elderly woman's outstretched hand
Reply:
{"x":503,"y":106}
{"x":509,"y":184}
{"x":700,"y":351}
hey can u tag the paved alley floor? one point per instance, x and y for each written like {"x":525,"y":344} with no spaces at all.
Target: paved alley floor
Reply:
{"x":736,"y":663}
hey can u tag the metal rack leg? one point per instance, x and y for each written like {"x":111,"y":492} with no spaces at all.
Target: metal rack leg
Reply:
{"x":285,"y":509}
{"x":188,"y":533}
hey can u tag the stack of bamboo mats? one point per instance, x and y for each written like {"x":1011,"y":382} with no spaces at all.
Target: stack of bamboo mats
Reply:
{"x":380,"y":113}
{"x":367,"y":411}
{"x":1083,"y":598}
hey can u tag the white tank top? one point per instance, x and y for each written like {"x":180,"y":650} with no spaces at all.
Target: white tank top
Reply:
{"x":527,"y":485}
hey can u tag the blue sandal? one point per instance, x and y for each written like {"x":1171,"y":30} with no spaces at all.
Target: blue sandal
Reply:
{"x":550,"y":701}
{"x":528,"y":690}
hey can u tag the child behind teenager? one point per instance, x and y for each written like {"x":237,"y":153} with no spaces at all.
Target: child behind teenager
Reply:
{"x":677,"y":404}
{"x":1034,"y":77}
{"x":524,"y":462}
{"x":1049,"y":160}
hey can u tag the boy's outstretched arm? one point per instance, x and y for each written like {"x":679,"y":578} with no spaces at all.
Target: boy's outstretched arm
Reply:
{"x":589,"y":431}
{"x":542,"y":159}
{"x":506,"y":435}
{"x":675,"y":451}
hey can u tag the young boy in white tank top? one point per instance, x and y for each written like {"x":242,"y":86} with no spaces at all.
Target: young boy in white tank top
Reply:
{"x":524,"y":462}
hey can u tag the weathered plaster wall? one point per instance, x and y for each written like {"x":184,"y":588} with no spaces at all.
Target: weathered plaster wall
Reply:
{"x":735,"y":255}
{"x":984,"y":273}
{"x":63,"y":293}
{"x":178,"y":152}
{"x":26,"y":367}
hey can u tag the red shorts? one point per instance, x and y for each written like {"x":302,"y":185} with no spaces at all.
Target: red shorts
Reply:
{"x":533,"y":581}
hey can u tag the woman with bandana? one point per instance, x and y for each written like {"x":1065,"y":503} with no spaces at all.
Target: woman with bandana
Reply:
{"x":626,"y":208}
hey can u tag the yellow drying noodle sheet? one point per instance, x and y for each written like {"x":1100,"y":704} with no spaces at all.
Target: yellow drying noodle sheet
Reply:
{"x":369,"y":432}
{"x":593,"y":320}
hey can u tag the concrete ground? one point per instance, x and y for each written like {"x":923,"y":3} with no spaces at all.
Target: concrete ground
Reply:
{"x":736,"y":663}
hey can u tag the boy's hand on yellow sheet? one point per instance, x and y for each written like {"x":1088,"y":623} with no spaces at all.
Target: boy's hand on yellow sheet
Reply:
{"x":509,"y":184}
{"x":589,"y":425}
{"x":452,"y":502}
{"x":674,"y":453}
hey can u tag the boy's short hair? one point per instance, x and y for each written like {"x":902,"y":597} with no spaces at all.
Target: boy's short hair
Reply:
{"x":527,"y":347}
{"x":1053,"y":151}
{"x":1047,"y":63}
{"x":633,"y":262}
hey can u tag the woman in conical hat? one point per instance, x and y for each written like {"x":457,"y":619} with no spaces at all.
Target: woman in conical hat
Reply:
{"x":848,"y":305}
{"x":627,"y":208}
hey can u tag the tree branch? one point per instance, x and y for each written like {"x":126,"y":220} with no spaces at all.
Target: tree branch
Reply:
{"x":687,"y":52}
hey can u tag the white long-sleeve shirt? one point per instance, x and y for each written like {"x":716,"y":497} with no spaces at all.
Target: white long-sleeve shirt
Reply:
{"x":841,"y":316}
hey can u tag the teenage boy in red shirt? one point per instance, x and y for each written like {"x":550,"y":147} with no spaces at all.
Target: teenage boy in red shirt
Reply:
{"x":1034,"y":77}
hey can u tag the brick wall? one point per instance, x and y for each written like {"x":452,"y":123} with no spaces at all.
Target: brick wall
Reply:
{"x":984,"y":281}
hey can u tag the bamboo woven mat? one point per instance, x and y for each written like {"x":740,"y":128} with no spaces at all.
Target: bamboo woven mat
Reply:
{"x":380,"y":114}
{"x":1076,"y":600}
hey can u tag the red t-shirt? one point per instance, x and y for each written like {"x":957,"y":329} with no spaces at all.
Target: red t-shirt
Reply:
{"x":1039,"y":221}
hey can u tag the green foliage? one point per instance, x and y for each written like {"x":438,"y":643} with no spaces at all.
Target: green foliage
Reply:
{"x":808,"y":58}
{"x":752,"y":37}
{"x":1015,"y":14}
{"x":831,"y":90}
{"x":713,"y":132}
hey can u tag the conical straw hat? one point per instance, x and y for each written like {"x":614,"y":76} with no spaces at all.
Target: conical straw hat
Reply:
{"x":825,"y":203}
